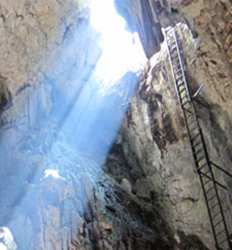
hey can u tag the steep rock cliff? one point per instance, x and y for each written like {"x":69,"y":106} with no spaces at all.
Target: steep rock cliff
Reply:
{"x":153,"y":138}
{"x":148,"y":196}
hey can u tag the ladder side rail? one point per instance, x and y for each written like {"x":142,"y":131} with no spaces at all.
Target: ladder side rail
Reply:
{"x":173,"y":72}
{"x":216,"y":190}
{"x":202,"y":184}
{"x":184,"y":77}
{"x":209,"y":211}
{"x":221,"y":169}
{"x":206,"y":155}
{"x":181,"y":65}
{"x":195,"y":160}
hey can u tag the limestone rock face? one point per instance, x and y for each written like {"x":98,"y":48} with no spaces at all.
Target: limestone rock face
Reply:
{"x":142,"y":17}
{"x":33,"y":65}
{"x":7,"y":239}
{"x":157,"y":155}
{"x":153,"y":138}
{"x":27,"y":30}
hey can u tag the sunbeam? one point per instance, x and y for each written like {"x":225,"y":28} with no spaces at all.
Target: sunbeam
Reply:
{"x":122,"y":50}
{"x":88,"y":107}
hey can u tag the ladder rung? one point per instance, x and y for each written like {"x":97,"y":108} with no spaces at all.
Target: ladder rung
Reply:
{"x":199,"y":145}
{"x":204,"y":165}
{"x":199,"y":150}
{"x":207,"y":191}
{"x":176,"y":66}
{"x":222,"y":231}
{"x":193,"y":122}
{"x":196,"y":143}
{"x":207,"y":184}
{"x":173,"y":46}
{"x":195,"y":137}
{"x":188,"y":111}
{"x":169,"y":35}
{"x":205,"y":175}
{"x":184,"y":98}
{"x":174,"y":58}
{"x":223,"y":240}
{"x":216,"y":182}
{"x":211,"y":198}
{"x":190,"y":117}
{"x":217,"y":213}
{"x":208,"y":181}
{"x":194,"y":132}
{"x":201,"y":158}
{"x":193,"y":129}
{"x":183,"y":93}
{"x":173,"y":51}
{"x":218,"y":223}
{"x":181,"y":84}
{"x":181,"y":90}
{"x":185,"y":103}
{"x":179,"y":78}
{"x":214,"y":205}
{"x":179,"y":75}
{"x":171,"y":42}
{"x":178,"y":71}
{"x":174,"y":54}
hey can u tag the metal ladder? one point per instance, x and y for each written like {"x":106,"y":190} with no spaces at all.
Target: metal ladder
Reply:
{"x":205,"y":168}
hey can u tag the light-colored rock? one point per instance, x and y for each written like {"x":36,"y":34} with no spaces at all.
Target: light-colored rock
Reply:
{"x":156,"y":135}
{"x":7,"y":239}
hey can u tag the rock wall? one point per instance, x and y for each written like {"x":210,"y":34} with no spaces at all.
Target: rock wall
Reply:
{"x":148,"y":196}
{"x":27,"y":30}
{"x":33,"y":65}
{"x":142,"y":17}
{"x":154,"y":142}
